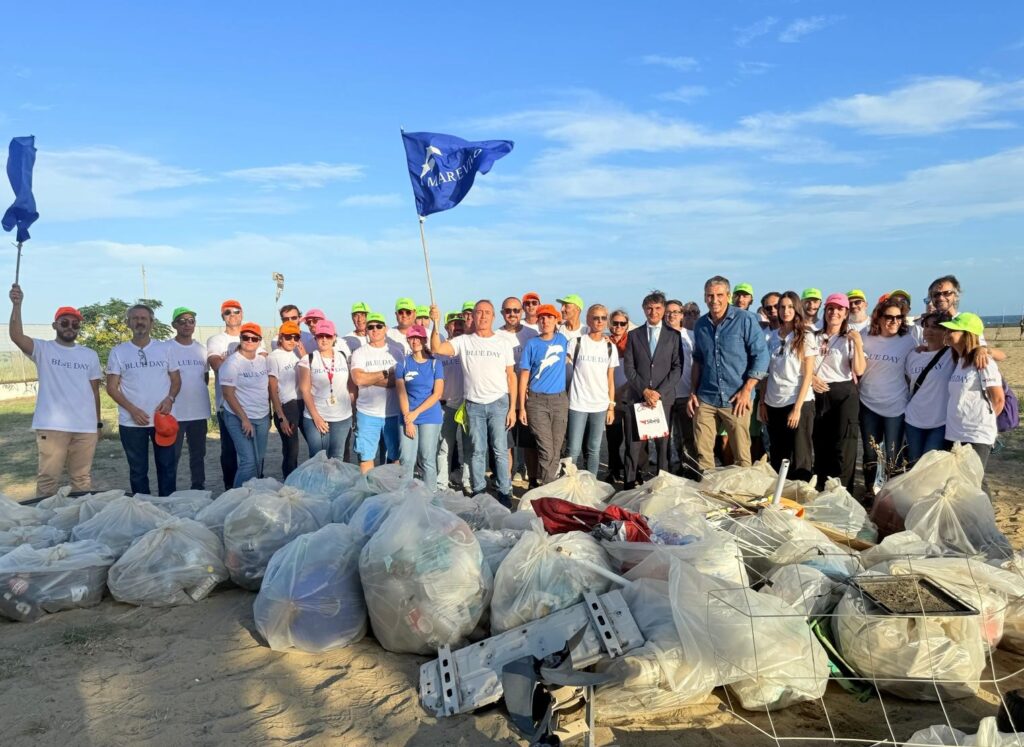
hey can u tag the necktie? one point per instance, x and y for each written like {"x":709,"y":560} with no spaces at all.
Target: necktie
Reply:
{"x":652,"y":340}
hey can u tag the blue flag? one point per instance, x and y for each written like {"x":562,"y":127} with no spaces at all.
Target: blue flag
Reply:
{"x":442,"y":167}
{"x":21,"y":157}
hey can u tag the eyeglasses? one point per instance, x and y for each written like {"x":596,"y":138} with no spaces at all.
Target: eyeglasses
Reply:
{"x":374,"y":326}
{"x":405,"y":311}
{"x":324,"y":336}
{"x":293,"y":338}
{"x":289,"y":319}
{"x":65,"y":323}
{"x":596,"y":318}
{"x":620,"y":324}
{"x":184,"y":320}
{"x":231,"y":312}
{"x":511,"y":311}
{"x":531,"y":303}
{"x":893,"y":317}
{"x":943,"y":294}
{"x":673,"y":312}
{"x":250,"y":338}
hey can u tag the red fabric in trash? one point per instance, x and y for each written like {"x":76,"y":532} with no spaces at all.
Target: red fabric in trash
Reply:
{"x":562,"y":516}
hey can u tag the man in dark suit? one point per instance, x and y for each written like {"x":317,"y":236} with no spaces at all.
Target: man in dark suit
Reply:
{"x":652,"y":368}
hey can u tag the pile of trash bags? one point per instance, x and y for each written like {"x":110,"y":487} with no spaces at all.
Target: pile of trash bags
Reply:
{"x":119,"y":522}
{"x":37,"y":581}
{"x":575,"y":485}
{"x":37,"y":536}
{"x":988,"y":735}
{"x":184,"y":504}
{"x":323,"y":476}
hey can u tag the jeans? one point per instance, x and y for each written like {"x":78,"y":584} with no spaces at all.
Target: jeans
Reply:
{"x":487,"y":425}
{"x":454,"y":441}
{"x":593,"y":423}
{"x":195,"y":432}
{"x":135,"y":441}
{"x":290,"y":444}
{"x":228,"y":457}
{"x":547,"y":415}
{"x":333,"y":442}
{"x":879,"y":429}
{"x":922,"y":440}
{"x":250,"y":450}
{"x":422,"y":449}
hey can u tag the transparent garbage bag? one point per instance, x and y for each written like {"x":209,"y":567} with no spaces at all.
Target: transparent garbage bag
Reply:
{"x":837,"y":509}
{"x":177,"y":563}
{"x":387,"y":478}
{"x":67,"y":511}
{"x":959,"y":520}
{"x":741,"y":482}
{"x":667,"y":672}
{"x":575,"y":485}
{"x":93,"y":503}
{"x":213,"y":515}
{"x":311,"y":599}
{"x":541,"y":575}
{"x":805,"y":589}
{"x":263,"y":484}
{"x":988,"y":735}
{"x":496,"y":544}
{"x":38,"y":537}
{"x":480,"y":511}
{"x":424,"y":578}
{"x":61,"y":499}
{"x":348,"y":501}
{"x":663,"y":492}
{"x":14,"y":514}
{"x":262,"y":524}
{"x":183,"y":504}
{"x":121,"y":522}
{"x":930,"y":474}
{"x":913,"y":657}
{"x":35,"y":581}
{"x":1013,"y":628}
{"x":323,"y":476}
{"x":903,"y":544}
{"x":376,"y":509}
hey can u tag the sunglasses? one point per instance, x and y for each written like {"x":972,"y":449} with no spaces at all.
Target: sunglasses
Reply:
{"x":324,"y":336}
{"x":943,"y":294}
{"x":65,"y":323}
{"x":893,"y":317}
{"x":289,"y":319}
{"x":185,"y":320}
{"x":620,"y":324}
{"x":405,"y":311}
{"x":531,"y":303}
{"x":858,"y":302}
{"x":311,"y":321}
{"x":293,"y":338}
{"x":599,"y":318}
{"x":250,"y":338}
{"x":511,"y":311}
{"x":231,"y":312}
{"x":374,"y":326}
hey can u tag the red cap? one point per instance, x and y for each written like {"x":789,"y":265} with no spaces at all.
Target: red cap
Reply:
{"x":166,"y":427}
{"x":230,"y":304}
{"x":289,"y":328}
{"x":530,"y":296}
{"x":67,"y":311}
{"x":548,"y":310}
{"x":251,"y":327}
{"x":883,"y":298}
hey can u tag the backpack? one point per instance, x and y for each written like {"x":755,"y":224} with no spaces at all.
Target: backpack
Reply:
{"x":579,"y":344}
{"x":1009,"y":418}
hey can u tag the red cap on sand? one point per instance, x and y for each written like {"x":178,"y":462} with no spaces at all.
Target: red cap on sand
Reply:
{"x":166,"y":429}
{"x":67,"y":311}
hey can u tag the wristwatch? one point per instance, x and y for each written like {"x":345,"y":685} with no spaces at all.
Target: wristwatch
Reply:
{"x":99,"y":425}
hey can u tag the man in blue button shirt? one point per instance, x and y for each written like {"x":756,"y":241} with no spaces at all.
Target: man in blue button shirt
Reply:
{"x":729,"y":357}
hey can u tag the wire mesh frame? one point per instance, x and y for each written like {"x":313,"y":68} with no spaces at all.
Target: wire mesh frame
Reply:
{"x":995,"y":681}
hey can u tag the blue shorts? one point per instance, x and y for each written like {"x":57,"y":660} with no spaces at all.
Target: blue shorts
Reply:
{"x":370,"y":429}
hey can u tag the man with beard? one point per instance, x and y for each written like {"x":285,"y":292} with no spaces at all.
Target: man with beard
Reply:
{"x":67,"y":415}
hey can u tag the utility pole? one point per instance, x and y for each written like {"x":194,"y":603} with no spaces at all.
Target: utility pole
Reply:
{"x":145,"y":290}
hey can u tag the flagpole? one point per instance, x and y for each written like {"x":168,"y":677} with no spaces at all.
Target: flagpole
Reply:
{"x":426,"y":259}
{"x":17,"y":266}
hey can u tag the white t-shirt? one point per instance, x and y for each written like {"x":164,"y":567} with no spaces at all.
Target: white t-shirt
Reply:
{"x":533,"y":326}
{"x":395,"y":335}
{"x":281,"y":365}
{"x":785,"y":370}
{"x":220,"y":344}
{"x":323,"y":386}
{"x":589,"y":389}
{"x":65,"y":401}
{"x":193,"y":400}
{"x":484,"y":361}
{"x":685,"y":385}
{"x":861,"y":327}
{"x":883,"y":387}
{"x":969,"y":416}
{"x":517,"y":340}
{"x":352,"y":341}
{"x":454,"y":389}
{"x":571,"y":335}
{"x":144,"y":377}
{"x":250,"y":379}
{"x":927,"y":408}
{"x":835,"y":358}
{"x":378,"y":401}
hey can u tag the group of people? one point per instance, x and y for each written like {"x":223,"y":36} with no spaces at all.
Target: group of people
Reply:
{"x":802,"y":377}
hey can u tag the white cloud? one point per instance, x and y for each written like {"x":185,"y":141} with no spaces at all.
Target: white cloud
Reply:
{"x":133,"y":253}
{"x":747,"y":34}
{"x":28,"y":106}
{"x":684,"y":94}
{"x":374,"y":200}
{"x":801,"y":27}
{"x":298,"y":175}
{"x":681,"y":64}
{"x":753,"y":68}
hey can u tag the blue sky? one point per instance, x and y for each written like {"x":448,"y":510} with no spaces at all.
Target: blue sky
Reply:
{"x":785,"y":144}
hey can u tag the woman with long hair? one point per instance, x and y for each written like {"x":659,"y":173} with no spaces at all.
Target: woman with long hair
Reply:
{"x":787,"y":401}
{"x":324,"y":382}
{"x":619,"y":329}
{"x":839,"y":363}
{"x":976,"y":397}
{"x":928,"y":371}
{"x":419,"y":383}
{"x":883,"y":389}
{"x":244,"y":383}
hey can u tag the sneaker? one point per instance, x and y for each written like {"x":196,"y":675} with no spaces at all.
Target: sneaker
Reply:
{"x":505,"y":500}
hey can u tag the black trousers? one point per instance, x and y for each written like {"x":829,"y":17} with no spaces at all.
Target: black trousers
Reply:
{"x":195,"y":432}
{"x":836,"y":433}
{"x":636,"y":453}
{"x":796,"y":445}
{"x":228,"y":456}
{"x":290,"y":444}
{"x":614,"y":433}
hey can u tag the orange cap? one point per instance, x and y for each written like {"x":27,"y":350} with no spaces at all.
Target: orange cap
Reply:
{"x":166,"y":429}
{"x":289,"y":328}
{"x":230,"y":304}
{"x":252,"y":327}
{"x":530,"y":296}
{"x":549,"y":310}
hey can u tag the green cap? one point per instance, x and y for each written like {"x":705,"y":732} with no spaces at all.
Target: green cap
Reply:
{"x":451,"y":315}
{"x":422,"y":311}
{"x":903,"y":293}
{"x":573,"y":299}
{"x":406,"y":304}
{"x":373,"y":316}
{"x":181,"y":310}
{"x":744,"y":288}
{"x":810,"y":293}
{"x":360,"y":307}
{"x":856,"y":293}
{"x":966,"y":322}
{"x":468,"y":305}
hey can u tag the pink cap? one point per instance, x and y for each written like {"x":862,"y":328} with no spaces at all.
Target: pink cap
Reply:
{"x":838,"y":299}
{"x":416,"y":330}
{"x":325,"y":327}
{"x":314,"y":314}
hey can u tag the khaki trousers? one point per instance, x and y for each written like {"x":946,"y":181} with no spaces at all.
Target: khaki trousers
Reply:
{"x":706,"y":423}
{"x":60,"y":449}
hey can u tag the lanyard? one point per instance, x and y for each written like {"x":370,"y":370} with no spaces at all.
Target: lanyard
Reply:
{"x":329,"y":372}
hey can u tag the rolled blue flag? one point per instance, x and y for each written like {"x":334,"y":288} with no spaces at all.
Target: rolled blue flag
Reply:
{"x":21,"y":157}
{"x":442,"y":167}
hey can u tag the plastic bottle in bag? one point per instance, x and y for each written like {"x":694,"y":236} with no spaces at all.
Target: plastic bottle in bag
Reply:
{"x":34,"y":581}
{"x":38,"y":537}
